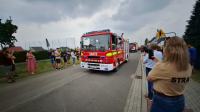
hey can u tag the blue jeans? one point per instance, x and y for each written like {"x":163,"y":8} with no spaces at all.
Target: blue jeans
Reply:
{"x":73,"y":60}
{"x":167,"y":104}
{"x":150,"y":85}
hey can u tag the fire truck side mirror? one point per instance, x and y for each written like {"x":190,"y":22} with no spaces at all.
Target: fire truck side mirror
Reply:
{"x":120,"y":42}
{"x":114,"y":46}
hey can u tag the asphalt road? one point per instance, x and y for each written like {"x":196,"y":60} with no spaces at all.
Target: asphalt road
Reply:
{"x":70,"y":90}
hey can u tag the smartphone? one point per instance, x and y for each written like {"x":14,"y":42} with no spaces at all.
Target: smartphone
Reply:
{"x":151,"y":55}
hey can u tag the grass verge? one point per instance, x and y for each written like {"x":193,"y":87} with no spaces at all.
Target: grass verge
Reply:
{"x":43,"y":66}
{"x":196,"y":75}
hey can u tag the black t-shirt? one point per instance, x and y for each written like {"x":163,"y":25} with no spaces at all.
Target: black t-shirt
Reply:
{"x":6,"y":60}
{"x":63,"y":54}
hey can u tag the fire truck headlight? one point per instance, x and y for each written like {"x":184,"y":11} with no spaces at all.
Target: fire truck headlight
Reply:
{"x":114,"y":53}
{"x":82,"y":64}
{"x":109,"y":54}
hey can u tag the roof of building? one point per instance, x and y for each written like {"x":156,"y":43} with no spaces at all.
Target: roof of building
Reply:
{"x":37,"y":48}
{"x":16,"y":49}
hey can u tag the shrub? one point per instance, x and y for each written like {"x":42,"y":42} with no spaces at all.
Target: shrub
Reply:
{"x":21,"y":56}
{"x":40,"y":55}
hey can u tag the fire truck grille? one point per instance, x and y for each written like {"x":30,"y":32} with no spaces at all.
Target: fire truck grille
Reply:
{"x":94,"y":66}
{"x":92,"y":62}
{"x":96,"y":57}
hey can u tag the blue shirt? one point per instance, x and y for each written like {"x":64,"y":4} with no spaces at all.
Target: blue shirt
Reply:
{"x":193,"y":54}
{"x":149,"y":63}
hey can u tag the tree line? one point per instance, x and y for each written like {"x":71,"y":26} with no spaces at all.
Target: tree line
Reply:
{"x":7,"y":29}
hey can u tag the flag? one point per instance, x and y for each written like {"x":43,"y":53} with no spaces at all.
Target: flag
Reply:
{"x":47,"y":43}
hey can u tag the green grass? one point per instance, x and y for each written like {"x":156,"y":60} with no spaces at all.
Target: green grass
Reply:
{"x":42,"y":67}
{"x":196,"y":75}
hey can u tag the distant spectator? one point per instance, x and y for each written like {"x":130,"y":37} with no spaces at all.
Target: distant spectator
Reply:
{"x":73,"y":57}
{"x":77,"y":55}
{"x":7,"y":62}
{"x":193,"y":55}
{"x":170,"y":77}
{"x":68,"y":56}
{"x":13,"y":63}
{"x":52,"y":58}
{"x":149,"y":55}
{"x":58,"y":58}
{"x":64,"y":56}
{"x":31,"y":62}
{"x":142,"y":48}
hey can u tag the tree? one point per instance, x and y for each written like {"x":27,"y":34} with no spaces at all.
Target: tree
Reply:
{"x":192,"y":32}
{"x":146,"y":41}
{"x":7,"y":30}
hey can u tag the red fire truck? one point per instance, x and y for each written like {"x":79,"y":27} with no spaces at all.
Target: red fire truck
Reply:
{"x":103,"y":50}
{"x":133,"y":47}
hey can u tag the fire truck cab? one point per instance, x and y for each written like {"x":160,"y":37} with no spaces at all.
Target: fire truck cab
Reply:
{"x":103,"y":50}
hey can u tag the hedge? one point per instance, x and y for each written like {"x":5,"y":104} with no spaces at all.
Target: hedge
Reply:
{"x":21,"y":56}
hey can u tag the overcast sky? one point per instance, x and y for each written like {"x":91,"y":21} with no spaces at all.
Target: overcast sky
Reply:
{"x":61,"y":19}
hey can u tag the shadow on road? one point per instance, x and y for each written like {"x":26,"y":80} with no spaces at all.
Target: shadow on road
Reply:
{"x":96,"y":72}
{"x":106,"y":73}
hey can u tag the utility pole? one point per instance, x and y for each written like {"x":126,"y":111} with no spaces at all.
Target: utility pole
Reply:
{"x":66,"y":43}
{"x":74,"y":43}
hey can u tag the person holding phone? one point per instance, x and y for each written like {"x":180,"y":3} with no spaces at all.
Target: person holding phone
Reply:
{"x":151,"y":55}
{"x":170,"y":77}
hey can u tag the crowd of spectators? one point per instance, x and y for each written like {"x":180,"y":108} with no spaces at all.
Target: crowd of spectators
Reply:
{"x":168,"y":71}
{"x":58,"y":58}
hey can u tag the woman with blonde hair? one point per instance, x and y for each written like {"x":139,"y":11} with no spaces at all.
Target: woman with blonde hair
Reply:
{"x":170,"y":77}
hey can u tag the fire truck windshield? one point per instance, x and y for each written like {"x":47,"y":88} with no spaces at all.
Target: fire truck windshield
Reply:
{"x":96,"y":43}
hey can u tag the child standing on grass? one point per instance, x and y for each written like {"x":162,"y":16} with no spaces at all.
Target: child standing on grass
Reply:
{"x":31,"y":62}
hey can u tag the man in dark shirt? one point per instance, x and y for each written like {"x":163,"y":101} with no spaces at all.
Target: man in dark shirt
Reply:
{"x":193,"y":55}
{"x":7,"y":62}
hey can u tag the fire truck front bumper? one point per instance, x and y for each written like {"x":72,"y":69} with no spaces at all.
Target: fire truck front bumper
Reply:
{"x":97,"y":66}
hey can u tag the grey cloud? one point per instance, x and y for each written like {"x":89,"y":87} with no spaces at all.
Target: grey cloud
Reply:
{"x":132,"y":13}
{"x":43,"y":11}
{"x":133,"y":8}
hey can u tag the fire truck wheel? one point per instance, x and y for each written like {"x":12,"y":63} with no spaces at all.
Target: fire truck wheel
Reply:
{"x":117,"y":68}
{"x":126,"y":60}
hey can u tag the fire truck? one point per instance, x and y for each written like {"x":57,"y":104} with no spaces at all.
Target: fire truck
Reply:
{"x":103,"y":50}
{"x":133,"y":47}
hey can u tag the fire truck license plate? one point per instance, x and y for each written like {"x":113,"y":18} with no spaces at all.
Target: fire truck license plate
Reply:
{"x":94,"y":67}
{"x":93,"y":54}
